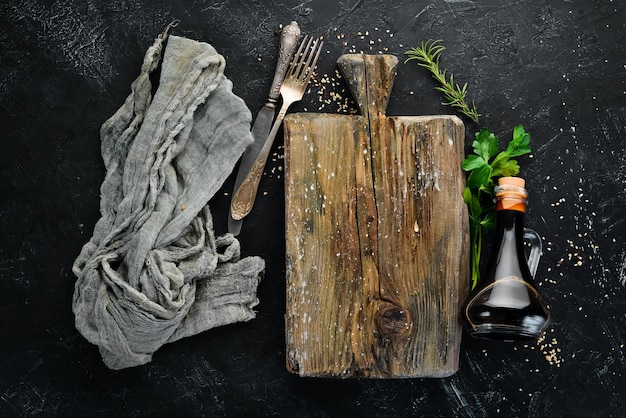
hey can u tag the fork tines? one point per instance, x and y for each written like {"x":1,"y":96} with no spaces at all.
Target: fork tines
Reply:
{"x":305,"y":58}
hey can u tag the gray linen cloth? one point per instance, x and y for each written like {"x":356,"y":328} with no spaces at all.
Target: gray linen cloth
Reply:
{"x":154,"y":271}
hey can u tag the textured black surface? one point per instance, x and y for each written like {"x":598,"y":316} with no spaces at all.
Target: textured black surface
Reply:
{"x":558,"y":68}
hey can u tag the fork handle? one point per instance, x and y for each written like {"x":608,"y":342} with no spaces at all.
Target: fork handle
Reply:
{"x":244,"y":197}
{"x":288,"y":42}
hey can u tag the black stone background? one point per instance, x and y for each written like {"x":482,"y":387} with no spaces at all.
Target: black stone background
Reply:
{"x":557,"y":67}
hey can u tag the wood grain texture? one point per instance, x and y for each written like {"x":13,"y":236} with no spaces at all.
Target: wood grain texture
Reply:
{"x":376,"y":236}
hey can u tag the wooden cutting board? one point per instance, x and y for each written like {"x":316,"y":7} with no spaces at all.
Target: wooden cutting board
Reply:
{"x":376,"y":236}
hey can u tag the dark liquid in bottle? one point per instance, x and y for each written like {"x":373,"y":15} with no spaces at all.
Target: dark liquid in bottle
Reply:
{"x":507,"y":309}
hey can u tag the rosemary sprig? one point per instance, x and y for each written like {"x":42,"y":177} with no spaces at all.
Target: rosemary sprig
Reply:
{"x":427,"y":56}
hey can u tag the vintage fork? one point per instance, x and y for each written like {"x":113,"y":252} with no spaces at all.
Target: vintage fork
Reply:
{"x":292,"y":90}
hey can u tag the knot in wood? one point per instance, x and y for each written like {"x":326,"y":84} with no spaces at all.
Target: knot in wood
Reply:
{"x":393,"y":321}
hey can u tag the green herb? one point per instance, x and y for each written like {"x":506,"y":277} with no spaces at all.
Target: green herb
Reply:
{"x":427,"y":56}
{"x":485,"y":166}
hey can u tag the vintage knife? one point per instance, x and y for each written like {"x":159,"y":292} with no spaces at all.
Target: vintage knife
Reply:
{"x":263,"y":122}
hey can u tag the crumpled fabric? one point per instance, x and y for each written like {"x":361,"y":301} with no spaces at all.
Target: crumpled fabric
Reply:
{"x":154,"y":271}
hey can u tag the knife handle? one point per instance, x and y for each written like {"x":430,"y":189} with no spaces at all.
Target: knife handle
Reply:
{"x":244,"y":197}
{"x":288,"y":42}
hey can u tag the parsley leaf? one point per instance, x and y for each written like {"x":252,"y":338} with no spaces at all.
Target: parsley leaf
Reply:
{"x":486,"y":144}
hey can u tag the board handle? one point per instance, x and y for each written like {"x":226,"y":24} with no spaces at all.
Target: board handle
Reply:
{"x":370,"y":79}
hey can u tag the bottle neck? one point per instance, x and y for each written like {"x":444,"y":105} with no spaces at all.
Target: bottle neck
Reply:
{"x":509,"y":258}
{"x":510,"y":209}
{"x":510,"y":221}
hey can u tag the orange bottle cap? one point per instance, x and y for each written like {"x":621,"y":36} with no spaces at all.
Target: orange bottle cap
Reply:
{"x":512,"y":181}
{"x":511,"y":194}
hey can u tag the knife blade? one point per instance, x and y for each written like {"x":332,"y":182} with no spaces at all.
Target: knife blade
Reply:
{"x":263,"y":122}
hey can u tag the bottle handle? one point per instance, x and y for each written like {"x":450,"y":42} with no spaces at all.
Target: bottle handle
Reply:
{"x":535,"y":250}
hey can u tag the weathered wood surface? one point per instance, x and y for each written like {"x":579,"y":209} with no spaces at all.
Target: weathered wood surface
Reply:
{"x":376,"y":236}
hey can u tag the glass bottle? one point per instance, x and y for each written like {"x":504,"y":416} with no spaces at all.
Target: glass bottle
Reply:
{"x":505,"y":304}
